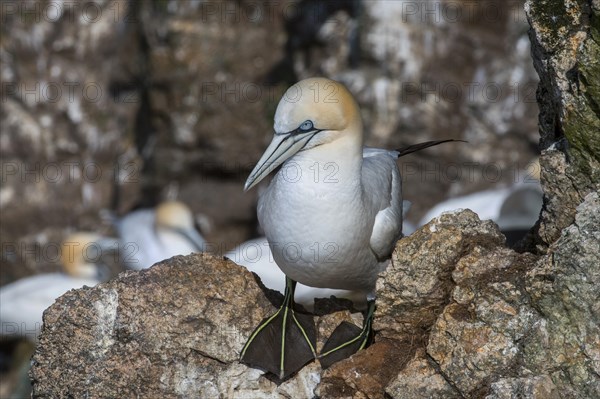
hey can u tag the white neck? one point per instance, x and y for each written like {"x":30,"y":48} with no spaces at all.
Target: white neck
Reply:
{"x":86,"y":270}
{"x":333,"y":166}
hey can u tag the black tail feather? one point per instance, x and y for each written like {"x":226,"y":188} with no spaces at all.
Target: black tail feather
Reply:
{"x":421,"y":146}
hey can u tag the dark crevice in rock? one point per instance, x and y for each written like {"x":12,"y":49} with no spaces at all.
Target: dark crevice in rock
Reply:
{"x":206,"y":355}
{"x":437,"y":368}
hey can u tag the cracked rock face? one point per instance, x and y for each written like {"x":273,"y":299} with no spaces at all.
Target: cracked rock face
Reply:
{"x":418,"y":283}
{"x":175,"y":329}
{"x":564,"y":289}
{"x":419,"y":379}
{"x":496,"y":325}
{"x":565,"y":37}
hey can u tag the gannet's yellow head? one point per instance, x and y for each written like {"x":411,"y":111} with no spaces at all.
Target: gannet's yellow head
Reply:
{"x":311,"y":113}
{"x":322,"y":103}
{"x":174,"y":214}
{"x":177,"y":217}
{"x":81,"y":254}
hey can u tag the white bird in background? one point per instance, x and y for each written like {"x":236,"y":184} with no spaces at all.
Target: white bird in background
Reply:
{"x":256,"y":256}
{"x":23,"y":302}
{"x":151,"y":235}
{"x":515,"y":209}
{"x":332,"y":215}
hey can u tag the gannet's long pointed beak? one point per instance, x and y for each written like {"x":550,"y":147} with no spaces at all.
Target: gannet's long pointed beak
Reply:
{"x":283,"y":146}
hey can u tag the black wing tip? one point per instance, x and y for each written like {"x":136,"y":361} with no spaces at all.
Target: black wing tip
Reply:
{"x":421,"y":146}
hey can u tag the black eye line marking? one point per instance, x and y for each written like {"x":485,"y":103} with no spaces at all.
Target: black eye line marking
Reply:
{"x":308,"y":141}
{"x":299,"y":130}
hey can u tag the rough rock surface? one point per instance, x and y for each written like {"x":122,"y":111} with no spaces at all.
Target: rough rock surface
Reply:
{"x":420,"y":379}
{"x":496,"y":323}
{"x":170,"y":331}
{"x":413,"y":290}
{"x":563,"y":287}
{"x":565,"y":37}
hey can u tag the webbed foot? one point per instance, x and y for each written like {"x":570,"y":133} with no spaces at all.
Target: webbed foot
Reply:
{"x":284,"y":342}
{"x":347,"y":339}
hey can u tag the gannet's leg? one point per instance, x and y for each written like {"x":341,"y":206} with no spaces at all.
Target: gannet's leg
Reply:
{"x":347,"y":338}
{"x":283,"y":342}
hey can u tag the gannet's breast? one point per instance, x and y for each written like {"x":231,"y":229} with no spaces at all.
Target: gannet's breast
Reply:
{"x":256,"y":256}
{"x":335,"y":234}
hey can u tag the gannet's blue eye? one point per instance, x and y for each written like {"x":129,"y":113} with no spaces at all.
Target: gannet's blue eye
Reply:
{"x":306,"y":126}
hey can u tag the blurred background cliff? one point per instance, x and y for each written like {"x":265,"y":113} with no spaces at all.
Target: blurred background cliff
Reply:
{"x":116,"y":105}
{"x":111,"y":106}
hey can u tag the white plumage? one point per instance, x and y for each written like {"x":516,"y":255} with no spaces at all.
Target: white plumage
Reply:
{"x":333,"y":213}
{"x":515,"y":207}
{"x":23,"y":302}
{"x":149,"y":236}
{"x":256,"y":256}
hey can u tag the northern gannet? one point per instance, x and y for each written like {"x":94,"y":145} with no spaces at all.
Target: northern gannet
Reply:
{"x":332,"y":215}
{"x":23,"y":302}
{"x":151,"y":235}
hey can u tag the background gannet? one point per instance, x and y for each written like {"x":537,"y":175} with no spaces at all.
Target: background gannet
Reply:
{"x":515,"y":208}
{"x":23,"y":302}
{"x":332,"y":215}
{"x":151,"y":235}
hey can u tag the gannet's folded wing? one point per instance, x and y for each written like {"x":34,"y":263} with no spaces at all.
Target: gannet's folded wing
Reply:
{"x":383,"y":191}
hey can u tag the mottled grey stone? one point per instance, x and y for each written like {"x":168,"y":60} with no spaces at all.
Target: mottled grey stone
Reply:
{"x":565,"y":37}
{"x":173,"y":330}
{"x":420,"y":379}
{"x":417,"y":285}
{"x":564,"y":288}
